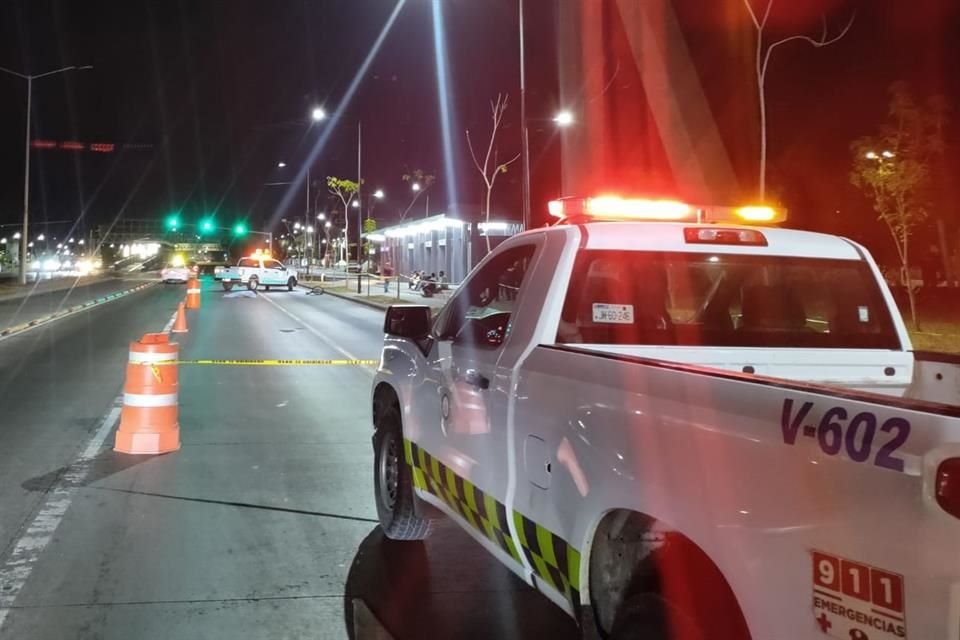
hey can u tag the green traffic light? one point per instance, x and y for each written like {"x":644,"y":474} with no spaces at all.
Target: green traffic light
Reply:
{"x":206,"y":225}
{"x":240,"y":229}
{"x":173,"y":222}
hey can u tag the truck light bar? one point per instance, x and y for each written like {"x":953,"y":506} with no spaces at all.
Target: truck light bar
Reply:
{"x":617,"y":208}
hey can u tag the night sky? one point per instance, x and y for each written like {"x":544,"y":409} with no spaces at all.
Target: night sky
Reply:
{"x":220,"y":92}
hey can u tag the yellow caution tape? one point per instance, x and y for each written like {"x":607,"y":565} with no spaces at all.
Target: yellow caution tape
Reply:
{"x":271,"y":363}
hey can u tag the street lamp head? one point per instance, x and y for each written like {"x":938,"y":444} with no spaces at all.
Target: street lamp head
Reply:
{"x":296,"y":225}
{"x":871,"y":155}
{"x":281,"y":164}
{"x":356,"y":204}
{"x":41,"y":237}
{"x":310,"y":229}
{"x":563,"y":119}
{"x":71,"y":240}
{"x":81,"y":242}
{"x":3,"y":241}
{"x":378,"y":194}
{"x":318,"y":114}
{"x":321,"y":216}
{"x":16,"y":236}
{"x":415,"y":186}
{"x":328,"y":225}
{"x":888,"y":154}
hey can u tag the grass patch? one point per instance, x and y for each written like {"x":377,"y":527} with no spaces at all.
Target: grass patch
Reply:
{"x":937,"y":335}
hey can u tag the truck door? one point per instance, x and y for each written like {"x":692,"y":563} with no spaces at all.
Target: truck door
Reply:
{"x":463,"y":400}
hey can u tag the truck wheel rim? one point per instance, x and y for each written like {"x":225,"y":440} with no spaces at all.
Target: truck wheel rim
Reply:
{"x":389,"y":472}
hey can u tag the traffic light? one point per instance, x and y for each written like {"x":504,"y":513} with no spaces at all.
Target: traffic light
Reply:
{"x":172,"y":222}
{"x":240,"y":229}
{"x":206,"y":225}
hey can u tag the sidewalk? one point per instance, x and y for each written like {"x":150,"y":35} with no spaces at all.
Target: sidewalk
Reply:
{"x":376,"y":297}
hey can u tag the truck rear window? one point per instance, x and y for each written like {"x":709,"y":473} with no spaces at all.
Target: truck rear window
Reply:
{"x":684,"y":299}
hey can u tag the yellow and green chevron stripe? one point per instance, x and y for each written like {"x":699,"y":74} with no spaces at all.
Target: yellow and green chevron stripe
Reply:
{"x":554,"y":560}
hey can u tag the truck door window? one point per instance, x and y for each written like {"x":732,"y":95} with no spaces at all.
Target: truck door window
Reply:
{"x":247,"y":262}
{"x":480,"y":313}
{"x":699,"y":299}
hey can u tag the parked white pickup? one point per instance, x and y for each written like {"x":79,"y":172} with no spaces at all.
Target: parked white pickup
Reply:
{"x":258,"y":272}
{"x":683,"y":430}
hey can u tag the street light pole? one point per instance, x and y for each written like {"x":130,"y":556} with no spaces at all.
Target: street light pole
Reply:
{"x":26,"y":171}
{"x":26,"y":187}
{"x":359,"y":204}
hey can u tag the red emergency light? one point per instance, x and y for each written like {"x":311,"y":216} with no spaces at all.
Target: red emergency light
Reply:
{"x":618,"y":208}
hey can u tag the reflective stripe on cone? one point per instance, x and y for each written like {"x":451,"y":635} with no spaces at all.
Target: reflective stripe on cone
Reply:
{"x":193,"y":294}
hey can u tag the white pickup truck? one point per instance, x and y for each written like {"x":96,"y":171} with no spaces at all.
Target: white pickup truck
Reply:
{"x":256,"y":272}
{"x":680,"y":430}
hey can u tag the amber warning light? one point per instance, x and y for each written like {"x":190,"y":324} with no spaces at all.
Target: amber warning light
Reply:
{"x":618,"y":208}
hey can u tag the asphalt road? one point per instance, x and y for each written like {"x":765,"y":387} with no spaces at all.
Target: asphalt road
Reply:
{"x":262,"y":525}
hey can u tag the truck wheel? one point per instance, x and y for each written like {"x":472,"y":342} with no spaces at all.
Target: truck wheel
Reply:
{"x":253,"y":283}
{"x":393,"y":481}
{"x":687,"y":599}
{"x":291,"y":283}
{"x":266,"y":287}
{"x":227,"y":286}
{"x":647,"y":616}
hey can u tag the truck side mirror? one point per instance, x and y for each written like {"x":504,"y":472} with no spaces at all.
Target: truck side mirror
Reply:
{"x":408,"y":321}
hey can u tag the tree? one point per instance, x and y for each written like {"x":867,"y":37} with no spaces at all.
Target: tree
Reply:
{"x":345,"y":190}
{"x":369,"y":226}
{"x":762,"y":64}
{"x":894,"y":170}
{"x":423,"y":181}
{"x":490,"y":170}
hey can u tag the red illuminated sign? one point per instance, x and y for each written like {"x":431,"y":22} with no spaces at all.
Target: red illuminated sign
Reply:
{"x":72,"y":145}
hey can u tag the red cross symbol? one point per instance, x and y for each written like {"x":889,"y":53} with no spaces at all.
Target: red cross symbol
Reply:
{"x":824,"y":623}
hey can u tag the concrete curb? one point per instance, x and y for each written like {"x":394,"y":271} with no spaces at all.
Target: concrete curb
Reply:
{"x":366,"y":303}
{"x":63,"y":313}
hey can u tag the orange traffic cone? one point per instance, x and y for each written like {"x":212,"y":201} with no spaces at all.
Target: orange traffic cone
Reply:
{"x":181,"y":324}
{"x":193,"y":293}
{"x":148,"y":420}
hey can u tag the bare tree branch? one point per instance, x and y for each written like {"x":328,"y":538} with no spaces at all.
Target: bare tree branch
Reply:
{"x":753,"y":16}
{"x":823,"y":41}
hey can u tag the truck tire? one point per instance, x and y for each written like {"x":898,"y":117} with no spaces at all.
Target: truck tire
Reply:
{"x":688,"y":599}
{"x":291,"y":283}
{"x":266,"y":287}
{"x":648,"y":616}
{"x":393,"y":481}
{"x":253,"y":283}
{"x":227,"y":286}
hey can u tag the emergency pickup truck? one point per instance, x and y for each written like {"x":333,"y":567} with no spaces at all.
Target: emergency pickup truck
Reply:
{"x":675,"y":422}
{"x":256,"y":272}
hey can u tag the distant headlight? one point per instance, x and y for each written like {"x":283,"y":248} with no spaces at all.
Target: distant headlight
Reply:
{"x":51,"y":264}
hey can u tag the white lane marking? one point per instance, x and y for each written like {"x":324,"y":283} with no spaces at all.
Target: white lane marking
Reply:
{"x":349,"y":356}
{"x":16,"y":570}
{"x":60,"y":314}
{"x":169,"y":326}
